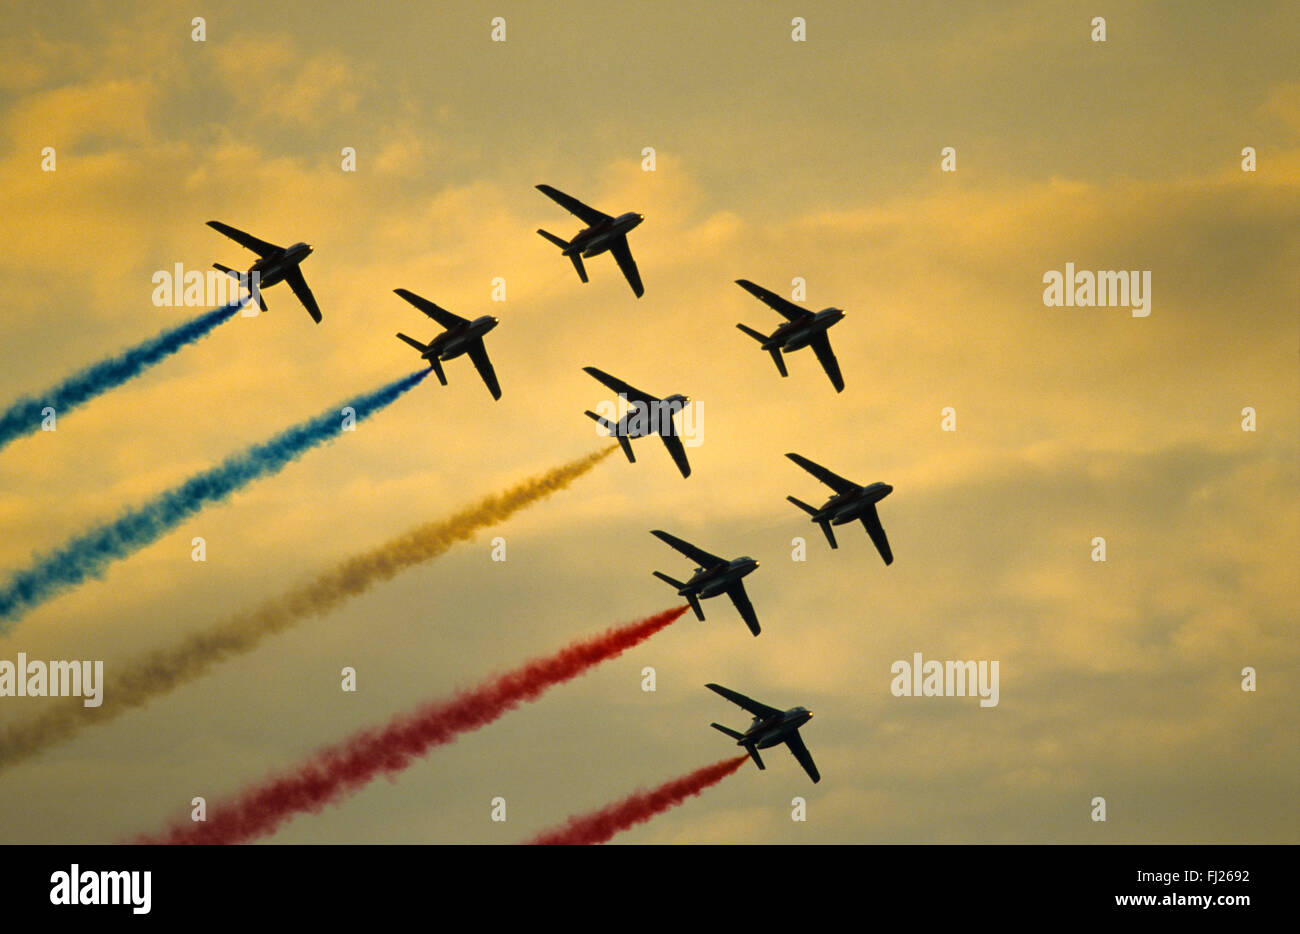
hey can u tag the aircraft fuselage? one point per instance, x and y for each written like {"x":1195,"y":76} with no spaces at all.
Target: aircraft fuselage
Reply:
{"x":598,"y":238}
{"x":848,"y":507}
{"x":274,"y":267}
{"x":773,"y":731}
{"x":452,"y":343}
{"x":655,"y":418}
{"x":794,"y":335}
{"x":710,"y":582}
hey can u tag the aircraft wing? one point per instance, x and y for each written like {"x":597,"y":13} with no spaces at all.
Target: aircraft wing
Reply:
{"x":787,"y":309}
{"x":832,"y":480}
{"x":260,"y":247}
{"x":741,"y":599}
{"x":613,"y":382}
{"x":821,"y":345}
{"x":623,"y":254}
{"x":675,"y":448}
{"x":478,"y":353}
{"x":299,"y":286}
{"x":877,"y":532}
{"x":698,"y":555}
{"x":748,"y":703}
{"x":588,"y":215}
{"x":441,"y":315}
{"x":795,"y":742}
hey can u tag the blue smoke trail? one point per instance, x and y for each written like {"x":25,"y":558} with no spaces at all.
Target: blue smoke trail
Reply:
{"x":24,"y":416}
{"x":90,"y":553}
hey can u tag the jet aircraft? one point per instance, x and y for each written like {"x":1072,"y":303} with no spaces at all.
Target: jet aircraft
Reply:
{"x":851,"y":501}
{"x":460,"y":337}
{"x":274,"y":264}
{"x":713,"y":577}
{"x":646,"y":415}
{"x":771,"y":727}
{"x":601,"y":233}
{"x":802,"y":328}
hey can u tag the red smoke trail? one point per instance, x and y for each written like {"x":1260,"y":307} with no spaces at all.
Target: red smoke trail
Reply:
{"x":339,"y":770}
{"x":638,"y":807}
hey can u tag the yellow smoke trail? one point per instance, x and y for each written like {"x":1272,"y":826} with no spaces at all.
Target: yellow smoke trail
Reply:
{"x":161,"y":671}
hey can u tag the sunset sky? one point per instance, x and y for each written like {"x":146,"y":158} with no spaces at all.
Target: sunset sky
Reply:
{"x":774,"y":160}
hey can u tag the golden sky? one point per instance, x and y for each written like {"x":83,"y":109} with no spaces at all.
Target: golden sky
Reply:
{"x":774,"y":159}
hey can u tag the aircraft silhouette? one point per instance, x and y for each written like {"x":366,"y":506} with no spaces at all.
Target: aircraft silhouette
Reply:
{"x":851,"y":501}
{"x":646,"y":415}
{"x":460,"y":337}
{"x":713,"y":577}
{"x":602,"y":233}
{"x":802,"y":328}
{"x":771,"y":727}
{"x":274,"y":264}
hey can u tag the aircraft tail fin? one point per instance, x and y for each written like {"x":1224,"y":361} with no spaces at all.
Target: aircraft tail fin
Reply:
{"x":761,"y":338}
{"x":749,"y":747}
{"x":691,"y":598}
{"x":669,"y":580}
{"x":602,"y":422}
{"x":824,"y":523}
{"x":730,"y":732}
{"x":612,"y":428}
{"x":627,"y":448}
{"x":412,"y":341}
{"x":243,"y":282}
{"x":558,"y":241}
{"x":802,"y":505}
{"x":774,"y":351}
{"x":254,"y":294}
{"x":564,"y":245}
{"x":434,"y":362}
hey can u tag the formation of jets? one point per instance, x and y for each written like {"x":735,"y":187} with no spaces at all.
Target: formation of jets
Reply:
{"x":714,"y":576}
{"x":274,"y":264}
{"x":644,"y":415}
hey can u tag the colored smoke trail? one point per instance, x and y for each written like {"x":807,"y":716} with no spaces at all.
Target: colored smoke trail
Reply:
{"x":136,"y":684}
{"x":88,"y":554}
{"x":337,"y":771}
{"x":24,"y":416}
{"x":638,"y":807}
